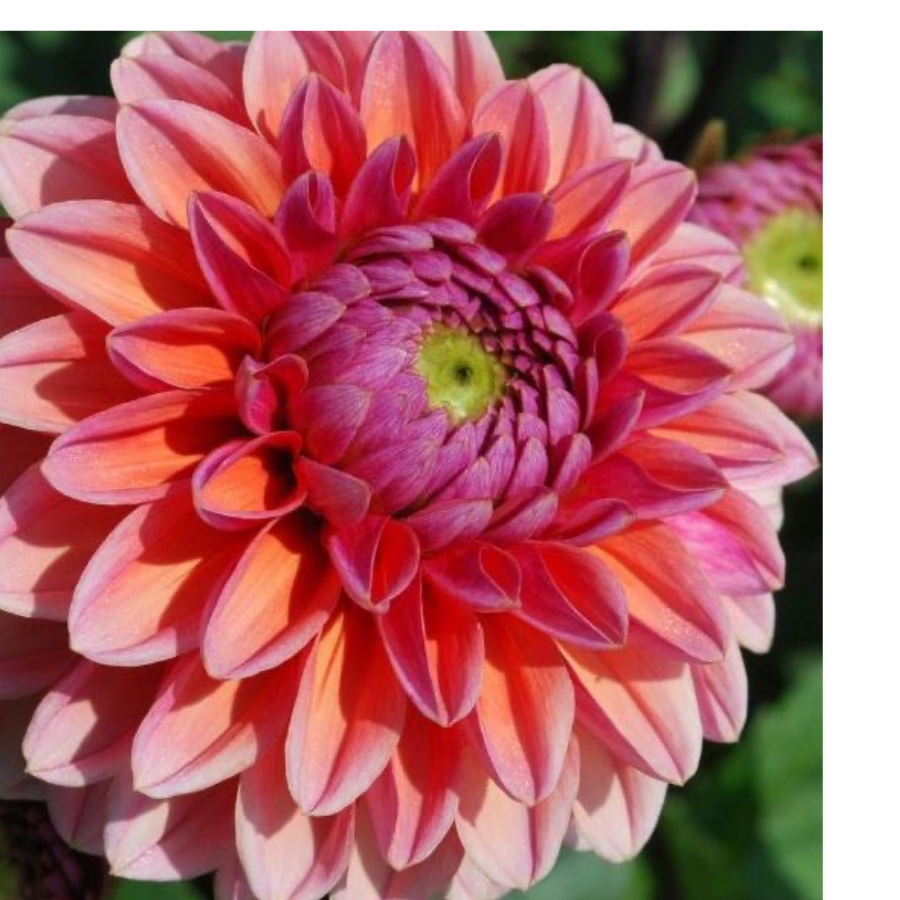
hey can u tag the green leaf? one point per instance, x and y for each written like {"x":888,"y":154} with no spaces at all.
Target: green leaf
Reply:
{"x":151,"y":890}
{"x":788,"y":775}
{"x":582,"y":876}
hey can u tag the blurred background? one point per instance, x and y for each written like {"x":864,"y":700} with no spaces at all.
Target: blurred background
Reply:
{"x":749,"y":825}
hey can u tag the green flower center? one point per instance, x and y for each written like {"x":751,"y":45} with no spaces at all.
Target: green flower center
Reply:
{"x":784,"y":264}
{"x":459,"y":373}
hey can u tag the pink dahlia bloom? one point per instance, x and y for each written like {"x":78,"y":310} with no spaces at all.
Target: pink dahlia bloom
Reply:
{"x":770,"y":205}
{"x":385,"y":468}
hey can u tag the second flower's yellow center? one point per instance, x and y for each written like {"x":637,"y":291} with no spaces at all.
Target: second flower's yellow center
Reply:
{"x":784,"y":264}
{"x":459,"y":373}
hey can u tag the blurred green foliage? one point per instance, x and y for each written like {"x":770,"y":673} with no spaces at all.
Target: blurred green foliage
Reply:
{"x":748,"y":827}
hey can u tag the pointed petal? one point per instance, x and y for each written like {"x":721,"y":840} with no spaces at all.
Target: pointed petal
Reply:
{"x":514,"y":112}
{"x":243,"y":483}
{"x":201,"y":732}
{"x":186,"y":348}
{"x":406,"y":90}
{"x":436,"y":648}
{"x":117,"y":261}
{"x":165,"y":554}
{"x":722,"y":696}
{"x":55,"y":372}
{"x":472,"y":62}
{"x":286,"y":854}
{"x":276,"y":600}
{"x":162,"y":77}
{"x":276,"y":63}
{"x":46,"y":540}
{"x":671,"y":603}
{"x":746,"y":334}
{"x":347,"y":719}
{"x":168,"y":840}
{"x":524,"y":714}
{"x":79,"y":815}
{"x":578,"y":120}
{"x":617,"y":806}
{"x":512,"y":843}
{"x":82,"y":730}
{"x":413,"y":802}
{"x":483,"y":576}
{"x":321,"y":130}
{"x":657,"y":200}
{"x":642,"y":706}
{"x":375,"y":559}
{"x":56,"y":158}
{"x":171,"y":149}
{"x":242,"y":255}
{"x":133,"y":452}
{"x":753,"y":621}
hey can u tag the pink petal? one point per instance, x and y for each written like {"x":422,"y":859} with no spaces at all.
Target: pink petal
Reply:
{"x":276,"y":63}
{"x":586,"y":200}
{"x":406,"y":90}
{"x":173,"y":561}
{"x":60,"y":157}
{"x":657,"y":200}
{"x":722,"y":696}
{"x":578,"y":120}
{"x":82,"y":730}
{"x":347,"y":719}
{"x":72,"y":105}
{"x":643,"y":707}
{"x":32,"y":655}
{"x":617,"y":807}
{"x":375,"y":559}
{"x":201,"y":732}
{"x":472,"y":62}
{"x":664,"y":301}
{"x":465,"y":183}
{"x":161,"y":77}
{"x":736,"y":544}
{"x":168,"y":840}
{"x":339,"y":497}
{"x":46,"y":540}
{"x":321,"y":130}
{"x":277,"y":598}
{"x":133,"y":452}
{"x":671,"y":604}
{"x":381,"y":191}
{"x":171,"y":149}
{"x":117,"y":261}
{"x":242,"y":255}
{"x":753,"y":621}
{"x":512,"y":843}
{"x":412,"y":804}
{"x":436,"y":648}
{"x":746,"y":334}
{"x":55,"y":372}
{"x":285,"y":853}
{"x":698,"y":246}
{"x":572,"y":595}
{"x":243,"y":482}
{"x":514,"y":112}
{"x":483,"y":576}
{"x":268,"y":393}
{"x":524,"y":715}
{"x":186,"y":348}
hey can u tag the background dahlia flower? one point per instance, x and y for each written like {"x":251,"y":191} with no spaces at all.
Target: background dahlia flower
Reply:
{"x":770,"y":205}
{"x":387,"y":497}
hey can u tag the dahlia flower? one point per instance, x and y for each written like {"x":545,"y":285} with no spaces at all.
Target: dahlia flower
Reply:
{"x":770,"y":205}
{"x":388,"y":493}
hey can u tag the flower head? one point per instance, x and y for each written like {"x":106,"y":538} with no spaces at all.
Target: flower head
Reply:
{"x":771,"y":206}
{"x":407,"y":509}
